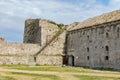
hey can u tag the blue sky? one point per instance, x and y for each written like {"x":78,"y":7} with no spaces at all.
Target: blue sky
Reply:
{"x":13,"y":13}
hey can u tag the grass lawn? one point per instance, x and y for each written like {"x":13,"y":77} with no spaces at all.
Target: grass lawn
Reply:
{"x":49,"y":68}
{"x":6,"y":78}
{"x":24,"y":72}
{"x":38,"y":76}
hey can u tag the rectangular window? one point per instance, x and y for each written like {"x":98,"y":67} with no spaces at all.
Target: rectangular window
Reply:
{"x":87,"y":49}
{"x":106,"y":48}
{"x":107,"y":35}
{"x":106,"y":58}
{"x":88,"y":57}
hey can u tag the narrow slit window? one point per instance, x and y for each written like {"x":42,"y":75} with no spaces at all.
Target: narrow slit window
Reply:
{"x":106,"y":48}
{"x":88,"y":57}
{"x":107,"y":35}
{"x":88,"y":37}
{"x":118,"y":32}
{"x":87,"y":49}
{"x":35,"y":59}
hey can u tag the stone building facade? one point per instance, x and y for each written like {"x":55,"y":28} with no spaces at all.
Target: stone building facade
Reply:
{"x":96,"y":46}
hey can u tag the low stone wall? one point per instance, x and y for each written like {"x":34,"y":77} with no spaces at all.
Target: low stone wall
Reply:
{"x":7,"y":48}
{"x":13,"y":60}
{"x":17,"y":53}
{"x":49,"y":60}
{"x":30,"y":60}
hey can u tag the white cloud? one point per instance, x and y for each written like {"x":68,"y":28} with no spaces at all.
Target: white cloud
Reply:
{"x":14,"y":12}
{"x":114,"y":4}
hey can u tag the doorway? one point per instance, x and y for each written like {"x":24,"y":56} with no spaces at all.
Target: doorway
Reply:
{"x":71,"y":60}
{"x":65,"y":60}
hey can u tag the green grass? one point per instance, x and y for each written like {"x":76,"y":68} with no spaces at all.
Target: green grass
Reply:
{"x":105,"y":69}
{"x":6,"y":78}
{"x":85,"y":77}
{"x":52,"y":77}
{"x":51,"y":68}
{"x":66,"y":72}
{"x":47,"y":67}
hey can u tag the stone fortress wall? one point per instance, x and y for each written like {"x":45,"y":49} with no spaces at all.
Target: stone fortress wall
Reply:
{"x":47,"y":34}
{"x":95,"y":42}
{"x":14,"y":53}
{"x":96,"y":46}
{"x":23,"y":53}
{"x":39,"y":31}
{"x":43,"y":44}
{"x":91,"y":43}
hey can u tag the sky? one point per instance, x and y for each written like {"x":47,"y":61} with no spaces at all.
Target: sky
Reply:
{"x":13,"y":13}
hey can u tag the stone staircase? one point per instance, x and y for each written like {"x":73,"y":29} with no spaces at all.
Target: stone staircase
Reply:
{"x":59,"y":32}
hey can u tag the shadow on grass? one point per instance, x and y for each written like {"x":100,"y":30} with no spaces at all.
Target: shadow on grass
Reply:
{"x":101,"y":69}
{"x":86,"y":77}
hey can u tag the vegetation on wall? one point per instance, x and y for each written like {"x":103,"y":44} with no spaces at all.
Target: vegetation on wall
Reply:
{"x":11,"y":55}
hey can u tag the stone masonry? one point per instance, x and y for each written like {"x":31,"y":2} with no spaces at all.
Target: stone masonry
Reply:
{"x":14,"y":53}
{"x":43,"y":32}
{"x":96,"y":46}
{"x":92,"y":43}
{"x":95,"y":42}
